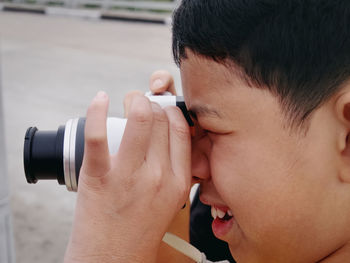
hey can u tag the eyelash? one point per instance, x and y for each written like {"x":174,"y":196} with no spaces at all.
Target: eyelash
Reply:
{"x":207,"y":131}
{"x":210,"y":133}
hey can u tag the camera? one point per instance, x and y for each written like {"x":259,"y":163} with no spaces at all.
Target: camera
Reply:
{"x":58,"y":155}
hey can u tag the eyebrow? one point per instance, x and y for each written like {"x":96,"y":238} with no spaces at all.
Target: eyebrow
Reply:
{"x":203,"y":110}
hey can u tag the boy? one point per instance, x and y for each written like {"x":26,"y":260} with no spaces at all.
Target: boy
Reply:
{"x":267,"y":84}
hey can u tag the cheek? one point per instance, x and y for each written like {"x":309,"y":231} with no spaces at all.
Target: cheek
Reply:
{"x":276,"y":187}
{"x":260,"y":182}
{"x":249,"y":168}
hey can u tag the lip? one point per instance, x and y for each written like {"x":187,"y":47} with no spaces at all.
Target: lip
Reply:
{"x":220,"y":227}
{"x":222,"y":208}
{"x":216,"y":204}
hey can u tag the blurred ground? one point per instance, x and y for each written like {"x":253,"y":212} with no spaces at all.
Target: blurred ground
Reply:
{"x":51,"y":69}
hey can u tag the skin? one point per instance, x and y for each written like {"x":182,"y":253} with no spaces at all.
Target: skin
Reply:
{"x":126,"y":201}
{"x":289,"y":191}
{"x":160,"y":82}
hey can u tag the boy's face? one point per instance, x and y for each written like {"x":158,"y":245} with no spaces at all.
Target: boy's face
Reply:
{"x":281,"y":186}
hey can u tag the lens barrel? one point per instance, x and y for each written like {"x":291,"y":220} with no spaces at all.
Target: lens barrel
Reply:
{"x":58,"y":155}
{"x":43,"y":155}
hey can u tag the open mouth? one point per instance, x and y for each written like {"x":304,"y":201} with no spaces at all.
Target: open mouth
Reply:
{"x":223,"y":221}
{"x":221,"y":214}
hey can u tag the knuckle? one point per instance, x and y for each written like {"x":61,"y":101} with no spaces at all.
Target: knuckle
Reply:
{"x":181,"y":130}
{"x":142,"y":117}
{"x":90,"y":180}
{"x":158,"y":113}
{"x":94,"y":141}
{"x":184,"y":191}
{"x":157,"y":181}
{"x":184,"y":188}
{"x":140,"y":113}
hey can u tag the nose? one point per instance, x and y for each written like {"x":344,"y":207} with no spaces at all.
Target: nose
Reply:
{"x":200,"y":159}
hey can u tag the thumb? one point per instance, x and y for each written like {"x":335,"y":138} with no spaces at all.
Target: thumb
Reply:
{"x":96,"y":159}
{"x":162,"y":81}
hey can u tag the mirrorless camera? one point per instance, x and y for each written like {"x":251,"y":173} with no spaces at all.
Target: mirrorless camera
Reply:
{"x":50,"y":155}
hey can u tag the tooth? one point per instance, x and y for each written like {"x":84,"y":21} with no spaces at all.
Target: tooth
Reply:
{"x":221,"y":213}
{"x":214,"y":213}
{"x":229,"y":212}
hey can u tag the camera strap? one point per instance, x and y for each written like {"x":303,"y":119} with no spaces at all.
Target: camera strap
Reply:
{"x":186,"y":248}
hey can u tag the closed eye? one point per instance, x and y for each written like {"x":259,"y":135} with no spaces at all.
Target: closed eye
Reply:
{"x":209,"y":132}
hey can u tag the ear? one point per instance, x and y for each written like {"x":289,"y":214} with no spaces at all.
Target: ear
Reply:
{"x":342,"y":105}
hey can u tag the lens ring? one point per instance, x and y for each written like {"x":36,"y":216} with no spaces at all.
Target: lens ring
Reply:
{"x":72,"y":173}
{"x":66,"y":152}
{"x":27,"y":155}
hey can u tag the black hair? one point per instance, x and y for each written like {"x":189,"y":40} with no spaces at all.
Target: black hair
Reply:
{"x":298,"y":49}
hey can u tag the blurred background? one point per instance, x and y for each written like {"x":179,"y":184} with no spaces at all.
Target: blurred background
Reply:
{"x":54,"y":57}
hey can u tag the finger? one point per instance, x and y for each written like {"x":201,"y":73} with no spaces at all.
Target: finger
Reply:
{"x":137,"y":134}
{"x":179,"y":144}
{"x":161,"y":81}
{"x":127,"y":100}
{"x":158,"y":152}
{"x":96,"y":153}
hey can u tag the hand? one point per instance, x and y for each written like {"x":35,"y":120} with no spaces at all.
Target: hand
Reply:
{"x":161,"y":81}
{"x":126,"y":201}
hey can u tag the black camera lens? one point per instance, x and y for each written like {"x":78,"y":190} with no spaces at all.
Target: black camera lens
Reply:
{"x":55,"y":155}
{"x":43,"y":155}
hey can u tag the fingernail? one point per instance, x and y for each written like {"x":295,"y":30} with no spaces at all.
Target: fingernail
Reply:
{"x":158,"y":83}
{"x":101,"y":95}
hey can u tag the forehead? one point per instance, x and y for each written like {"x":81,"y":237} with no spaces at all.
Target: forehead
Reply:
{"x":200,"y":71}
{"x":210,"y":86}
{"x":205,"y":81}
